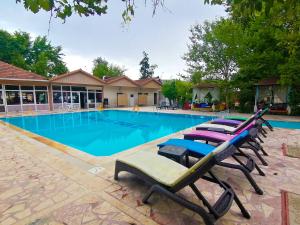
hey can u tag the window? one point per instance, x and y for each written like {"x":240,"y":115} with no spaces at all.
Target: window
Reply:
{"x":91,"y":97}
{"x":75,"y":97}
{"x":13,"y":98}
{"x":56,"y":88}
{"x":98,"y":97}
{"x":78,"y":88}
{"x":11,"y":87}
{"x":57,"y":97}
{"x":41,"y":88}
{"x":26,"y":88}
{"x":42,"y":97}
{"x":66,"y":97}
{"x":66,"y":88}
{"x":1,"y":97}
{"x":27,"y":97}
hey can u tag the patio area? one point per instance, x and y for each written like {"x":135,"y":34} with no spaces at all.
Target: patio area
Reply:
{"x":48,"y":183}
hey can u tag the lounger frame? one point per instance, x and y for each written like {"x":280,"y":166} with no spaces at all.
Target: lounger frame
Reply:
{"x":213,"y":212}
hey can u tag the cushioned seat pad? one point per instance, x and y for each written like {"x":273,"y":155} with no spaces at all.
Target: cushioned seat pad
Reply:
{"x":226,"y":122}
{"x":240,"y":118}
{"x":158,"y":167}
{"x":209,"y":135}
{"x":218,"y":126}
{"x":196,"y":147}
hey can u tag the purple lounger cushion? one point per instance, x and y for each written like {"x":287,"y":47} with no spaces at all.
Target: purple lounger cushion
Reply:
{"x":234,"y":123}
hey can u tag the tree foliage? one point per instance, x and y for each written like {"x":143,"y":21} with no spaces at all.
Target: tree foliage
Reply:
{"x":66,"y":8}
{"x":38,"y":55}
{"x":146,"y":70}
{"x":184,"y":91}
{"x":103,"y":68}
{"x":213,"y":52}
{"x":177,"y":90}
{"x":169,"y":90}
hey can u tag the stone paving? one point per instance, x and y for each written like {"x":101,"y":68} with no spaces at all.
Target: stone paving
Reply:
{"x":40,"y":184}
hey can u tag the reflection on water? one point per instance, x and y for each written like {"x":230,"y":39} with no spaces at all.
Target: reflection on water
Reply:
{"x":107,"y":132}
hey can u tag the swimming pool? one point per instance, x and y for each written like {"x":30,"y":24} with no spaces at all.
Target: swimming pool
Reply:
{"x":285,"y":124}
{"x":107,"y":132}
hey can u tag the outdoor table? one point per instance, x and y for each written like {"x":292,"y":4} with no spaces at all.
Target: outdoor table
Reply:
{"x":178,"y":154}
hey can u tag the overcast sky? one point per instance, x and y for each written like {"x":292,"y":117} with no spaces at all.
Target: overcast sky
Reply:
{"x":164,"y":36}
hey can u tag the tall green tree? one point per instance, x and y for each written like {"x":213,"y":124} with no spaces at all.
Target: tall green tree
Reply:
{"x":103,"y":68}
{"x":146,"y":70}
{"x":37,"y":55}
{"x":184,"y":91}
{"x":213,"y":52}
{"x":169,"y":90}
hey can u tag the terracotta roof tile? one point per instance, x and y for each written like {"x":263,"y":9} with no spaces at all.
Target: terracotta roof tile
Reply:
{"x":142,"y":82}
{"x":8,"y":71}
{"x":206,"y":85}
{"x":268,"y":81}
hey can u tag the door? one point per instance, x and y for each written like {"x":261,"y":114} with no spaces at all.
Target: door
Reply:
{"x":122,"y":99}
{"x":83,"y":100}
{"x":155,"y":98}
{"x":131,"y":100}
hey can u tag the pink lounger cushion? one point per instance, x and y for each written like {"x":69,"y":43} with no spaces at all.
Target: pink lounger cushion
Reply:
{"x":210,"y":134}
{"x":214,"y":136}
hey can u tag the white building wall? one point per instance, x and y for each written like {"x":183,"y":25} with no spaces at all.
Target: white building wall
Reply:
{"x":110,"y":93}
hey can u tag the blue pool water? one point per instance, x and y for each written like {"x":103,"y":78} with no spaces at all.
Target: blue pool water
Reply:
{"x":285,"y":124}
{"x":107,"y":132}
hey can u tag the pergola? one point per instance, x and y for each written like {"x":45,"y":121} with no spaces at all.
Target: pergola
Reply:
{"x":270,"y":92}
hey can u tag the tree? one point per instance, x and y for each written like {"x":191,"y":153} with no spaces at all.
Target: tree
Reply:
{"x":38,"y":56}
{"x":213,"y":51}
{"x":169,"y":90}
{"x":102,"y":68}
{"x":184,"y":91}
{"x":146,"y":69}
{"x":65,"y":8}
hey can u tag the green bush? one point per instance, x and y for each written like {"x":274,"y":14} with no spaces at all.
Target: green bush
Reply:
{"x":294,"y":100}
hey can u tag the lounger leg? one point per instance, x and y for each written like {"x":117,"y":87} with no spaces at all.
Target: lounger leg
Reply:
{"x":246,"y":173}
{"x":208,"y":219}
{"x":261,"y":141}
{"x":116,"y":172}
{"x":261,"y":173}
{"x":264,"y":130}
{"x":267,"y":124}
{"x":236,"y":199}
{"x":261,"y":147}
{"x":263,"y":134}
{"x":255,"y":150}
{"x":244,"y":211}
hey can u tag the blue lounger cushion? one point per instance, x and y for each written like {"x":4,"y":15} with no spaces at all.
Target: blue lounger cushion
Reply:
{"x":201,"y":148}
{"x":197,"y":147}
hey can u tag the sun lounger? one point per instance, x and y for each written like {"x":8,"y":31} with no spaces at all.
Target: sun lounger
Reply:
{"x":227,"y":129}
{"x":162,"y":105}
{"x":218,"y":137}
{"x":168,"y":177}
{"x":242,"y":119}
{"x":199,"y":150}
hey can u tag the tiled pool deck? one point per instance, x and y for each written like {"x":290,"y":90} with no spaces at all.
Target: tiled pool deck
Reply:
{"x":42,"y":182}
